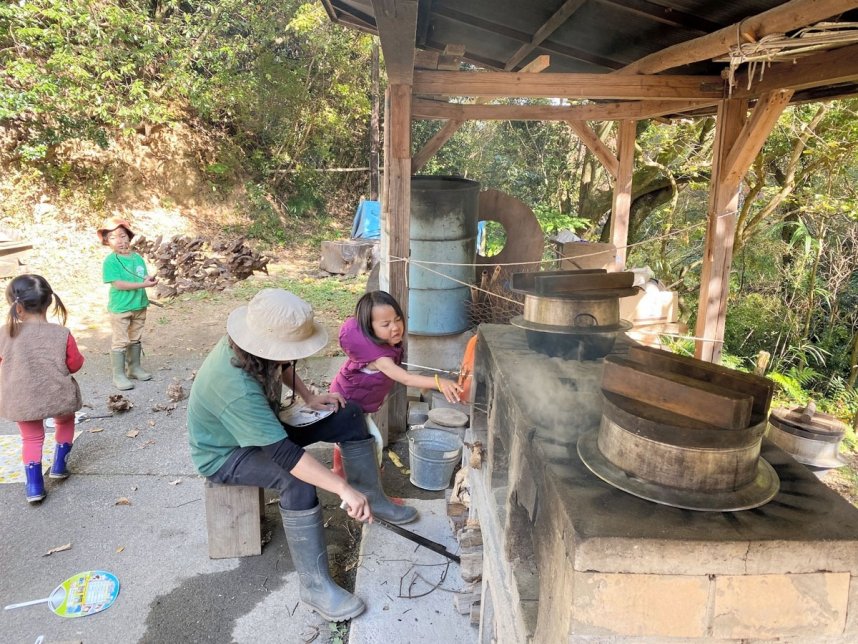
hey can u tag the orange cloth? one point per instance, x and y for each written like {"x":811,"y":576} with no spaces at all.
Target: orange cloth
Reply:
{"x":466,"y":372}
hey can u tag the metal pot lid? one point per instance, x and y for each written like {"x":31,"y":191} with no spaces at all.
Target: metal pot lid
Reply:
{"x":795,"y":420}
{"x":448,"y":417}
{"x":759,"y":491}
{"x":521,"y":323}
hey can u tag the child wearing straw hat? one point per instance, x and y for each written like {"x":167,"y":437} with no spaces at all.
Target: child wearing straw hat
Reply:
{"x":236,"y":437}
{"x":127,"y":303}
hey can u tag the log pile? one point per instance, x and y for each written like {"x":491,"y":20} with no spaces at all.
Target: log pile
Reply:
{"x":184,"y":264}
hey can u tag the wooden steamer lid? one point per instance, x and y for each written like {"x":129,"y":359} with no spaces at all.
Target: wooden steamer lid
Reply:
{"x":679,"y":440}
{"x":810,"y":437}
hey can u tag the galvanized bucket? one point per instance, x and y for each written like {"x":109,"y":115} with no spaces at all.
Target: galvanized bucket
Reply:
{"x":434,"y":454}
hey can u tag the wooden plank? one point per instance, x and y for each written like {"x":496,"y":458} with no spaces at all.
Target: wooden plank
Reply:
{"x":823,"y":69}
{"x":426,"y":59}
{"x":720,"y":231}
{"x":545,"y":30}
{"x":676,"y":393}
{"x":396,"y":21}
{"x":613,"y":111}
{"x":538,"y":64}
{"x":596,"y":146}
{"x":778,"y":20}
{"x":622,"y":199}
{"x":232,"y":520}
{"x":750,"y":140}
{"x":761,"y":389}
{"x":547,"y":284}
{"x":592,"y":86}
{"x":434,"y":144}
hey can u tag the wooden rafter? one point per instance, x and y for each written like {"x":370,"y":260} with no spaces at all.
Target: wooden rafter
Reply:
{"x":538,"y":64}
{"x":611,"y":111}
{"x":781,"y":19}
{"x":664,"y":15}
{"x":550,"y":26}
{"x":396,"y":21}
{"x":826,"y":68}
{"x":592,"y":86}
{"x":496,"y":29}
{"x":601,"y":151}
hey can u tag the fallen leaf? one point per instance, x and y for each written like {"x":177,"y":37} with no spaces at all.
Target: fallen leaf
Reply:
{"x":133,"y":433}
{"x":176,"y":482}
{"x":122,"y":500}
{"x":95,"y":430}
{"x":120,"y":549}
{"x":57,"y":549}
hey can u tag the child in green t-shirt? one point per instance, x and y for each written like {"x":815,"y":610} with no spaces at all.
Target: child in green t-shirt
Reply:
{"x":126,"y":273}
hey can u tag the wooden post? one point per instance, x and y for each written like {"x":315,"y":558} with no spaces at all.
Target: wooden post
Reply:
{"x":396,"y":212}
{"x":373,"y":128}
{"x":721,"y":229}
{"x":622,"y":202}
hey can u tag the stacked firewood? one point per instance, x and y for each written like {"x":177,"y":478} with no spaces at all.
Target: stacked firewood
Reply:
{"x":184,"y":264}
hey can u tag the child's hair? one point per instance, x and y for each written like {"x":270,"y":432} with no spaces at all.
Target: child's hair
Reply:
{"x":35,"y":295}
{"x":364,"y":307}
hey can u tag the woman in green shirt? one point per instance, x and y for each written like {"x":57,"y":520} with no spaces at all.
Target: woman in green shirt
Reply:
{"x":236,"y":437}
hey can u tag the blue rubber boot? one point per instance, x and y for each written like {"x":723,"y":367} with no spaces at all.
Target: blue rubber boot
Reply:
{"x":58,"y":467}
{"x":35,"y":486}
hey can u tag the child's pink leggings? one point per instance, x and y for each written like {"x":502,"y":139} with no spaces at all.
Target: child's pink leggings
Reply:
{"x":33,"y":436}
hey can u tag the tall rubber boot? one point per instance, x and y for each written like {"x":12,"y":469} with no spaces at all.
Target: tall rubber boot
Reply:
{"x":306,"y":540}
{"x":362,"y":474}
{"x":34,"y":488}
{"x":132,"y":363}
{"x":58,"y":467}
{"x":120,"y":380}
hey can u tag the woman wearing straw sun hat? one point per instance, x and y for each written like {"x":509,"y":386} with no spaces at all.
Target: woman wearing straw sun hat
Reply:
{"x":236,"y":437}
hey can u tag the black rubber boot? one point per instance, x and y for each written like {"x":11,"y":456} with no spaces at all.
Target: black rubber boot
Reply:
{"x":362,"y":474}
{"x":306,"y":540}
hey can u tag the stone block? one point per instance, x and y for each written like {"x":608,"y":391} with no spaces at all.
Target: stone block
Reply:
{"x":471,"y":566}
{"x":656,"y":606}
{"x":780,"y":606}
{"x":418,"y":412}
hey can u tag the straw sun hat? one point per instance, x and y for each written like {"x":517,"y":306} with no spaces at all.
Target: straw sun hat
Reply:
{"x":112,"y":223}
{"x":276,"y":325}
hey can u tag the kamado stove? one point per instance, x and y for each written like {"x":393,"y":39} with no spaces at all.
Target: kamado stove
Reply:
{"x":609,"y":551}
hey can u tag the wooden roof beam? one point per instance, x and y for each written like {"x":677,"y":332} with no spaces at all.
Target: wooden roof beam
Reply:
{"x":826,"y":68}
{"x":664,"y":15}
{"x":612,"y":111}
{"x":781,"y":19}
{"x":596,"y":146}
{"x":592,"y":86}
{"x":396,"y":21}
{"x":550,"y":26}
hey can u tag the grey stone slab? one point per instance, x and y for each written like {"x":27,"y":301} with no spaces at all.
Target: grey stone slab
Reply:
{"x":409,"y":589}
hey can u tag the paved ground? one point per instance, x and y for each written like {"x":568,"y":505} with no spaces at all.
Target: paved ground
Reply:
{"x":134,"y":507}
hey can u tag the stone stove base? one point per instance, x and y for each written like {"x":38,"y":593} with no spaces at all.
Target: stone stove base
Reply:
{"x":568,"y":558}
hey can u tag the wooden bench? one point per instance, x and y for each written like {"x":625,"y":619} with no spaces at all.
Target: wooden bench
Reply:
{"x":233,"y":516}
